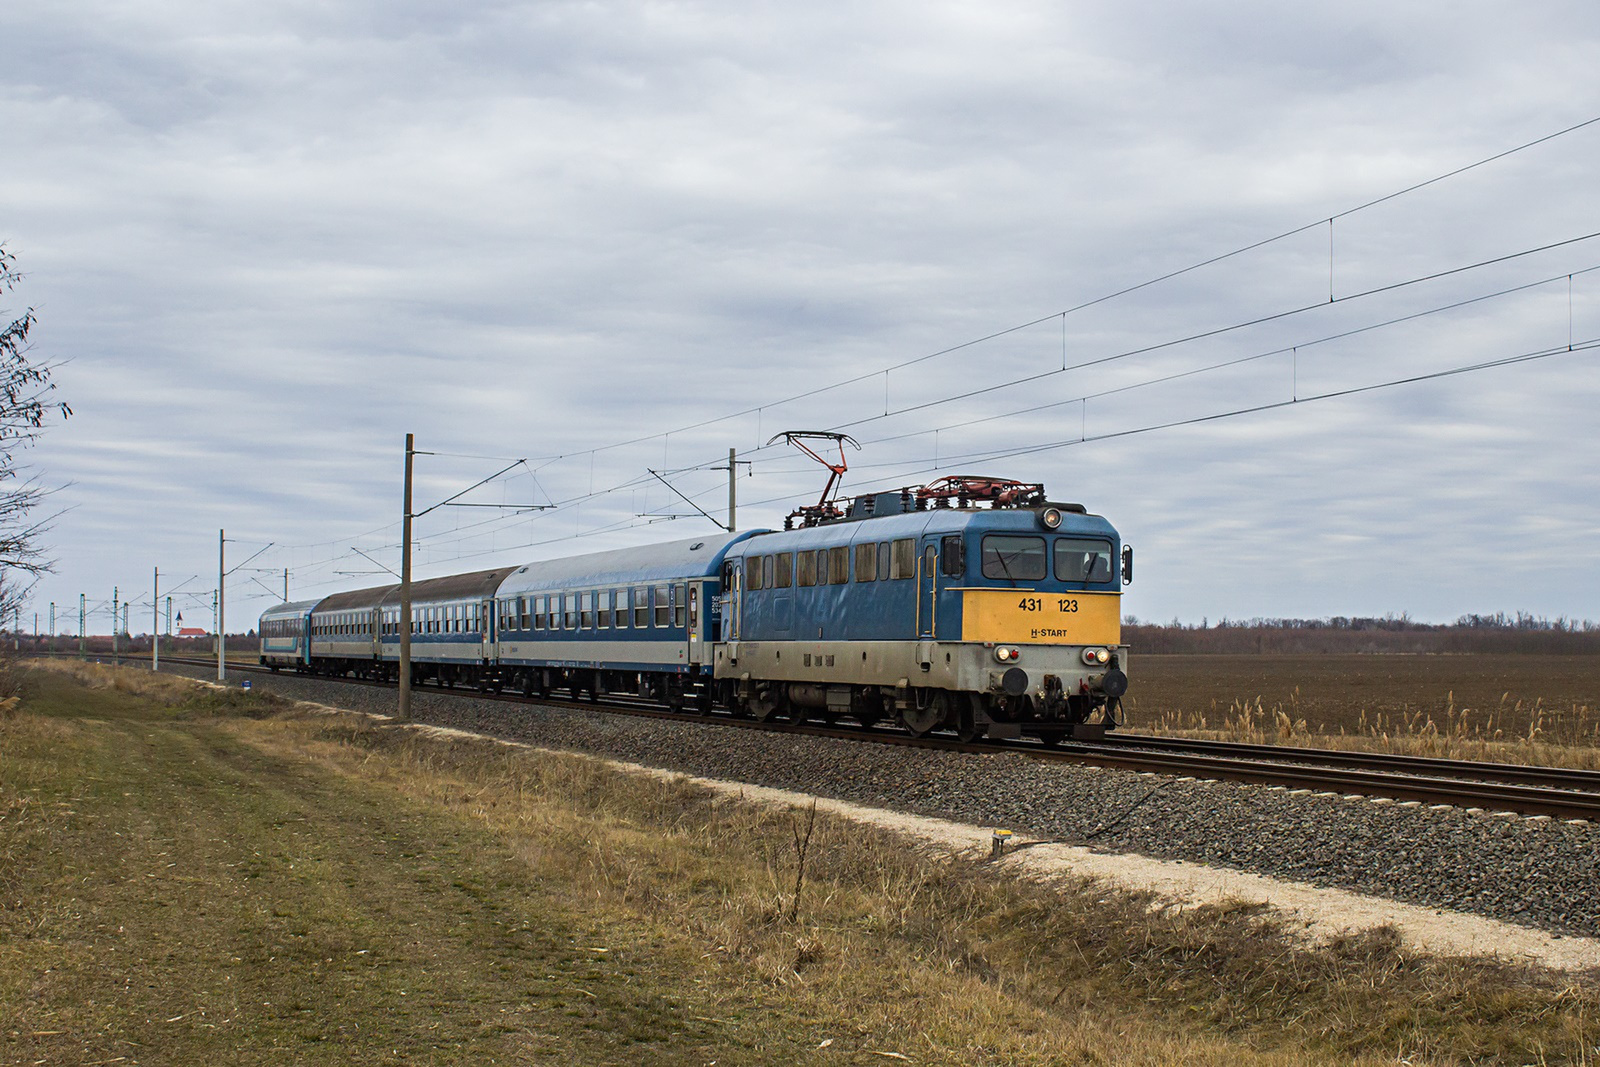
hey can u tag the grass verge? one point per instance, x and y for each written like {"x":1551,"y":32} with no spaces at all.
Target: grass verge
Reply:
{"x":192,"y":875}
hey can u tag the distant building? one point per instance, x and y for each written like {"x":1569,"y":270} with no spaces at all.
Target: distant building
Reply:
{"x":193,"y":631}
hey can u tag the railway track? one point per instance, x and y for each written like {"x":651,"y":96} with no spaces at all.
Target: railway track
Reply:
{"x":1527,"y":790}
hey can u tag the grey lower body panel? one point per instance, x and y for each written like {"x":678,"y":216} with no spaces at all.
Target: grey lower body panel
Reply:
{"x":951,"y":665}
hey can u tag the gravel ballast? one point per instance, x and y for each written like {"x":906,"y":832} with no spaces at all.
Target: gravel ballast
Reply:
{"x":1540,"y":873}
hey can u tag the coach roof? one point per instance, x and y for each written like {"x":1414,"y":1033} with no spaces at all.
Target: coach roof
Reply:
{"x":689,"y":558}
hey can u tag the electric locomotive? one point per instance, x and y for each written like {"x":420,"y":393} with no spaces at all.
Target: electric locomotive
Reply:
{"x":972,"y":604}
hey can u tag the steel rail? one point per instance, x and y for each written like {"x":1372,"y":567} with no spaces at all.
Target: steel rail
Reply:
{"x":1482,"y":770}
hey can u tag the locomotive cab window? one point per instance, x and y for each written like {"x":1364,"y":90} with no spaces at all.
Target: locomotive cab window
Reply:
{"x":952,"y":557}
{"x":1012,"y":558}
{"x":1082,"y":561}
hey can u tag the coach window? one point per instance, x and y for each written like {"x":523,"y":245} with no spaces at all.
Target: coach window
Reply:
{"x":604,"y":620}
{"x":586,"y":610}
{"x":1012,"y":558}
{"x":752,"y":572}
{"x":903,"y":558}
{"x":866,"y":562}
{"x":620,"y":617}
{"x":569,"y":614}
{"x":663,"y":605}
{"x":680,"y":603}
{"x":1082,"y":561}
{"x":952,"y":557}
{"x":839,"y":565}
{"x":641,"y":608}
{"x":538,"y":613}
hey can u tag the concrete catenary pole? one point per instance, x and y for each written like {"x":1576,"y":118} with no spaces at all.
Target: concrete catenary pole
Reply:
{"x":83,"y":615}
{"x":733,"y":493}
{"x":222,"y":663}
{"x":155,"y":621}
{"x":403,"y":711}
{"x":113,"y":624}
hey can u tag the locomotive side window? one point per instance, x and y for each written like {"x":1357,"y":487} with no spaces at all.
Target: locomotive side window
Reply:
{"x":752,"y":572}
{"x":866,"y":562}
{"x":641,"y":608}
{"x":679,"y":605}
{"x":783,"y":570}
{"x":883,"y":561}
{"x":663,"y":606}
{"x":839,"y":565}
{"x":807,"y":569}
{"x":1082,"y":561}
{"x":1012,"y":558}
{"x":903,"y":558}
{"x":952,"y":557}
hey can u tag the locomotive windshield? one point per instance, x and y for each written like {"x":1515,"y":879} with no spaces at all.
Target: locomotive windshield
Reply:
{"x":1017,"y":559}
{"x":1082,"y":561}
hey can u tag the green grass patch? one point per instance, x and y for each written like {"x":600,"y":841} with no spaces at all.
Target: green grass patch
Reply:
{"x":203,"y":876}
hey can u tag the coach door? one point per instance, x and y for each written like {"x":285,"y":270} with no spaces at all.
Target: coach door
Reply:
{"x":696,"y":623}
{"x":487,"y":619}
{"x":732,"y":599}
{"x":375,"y":625}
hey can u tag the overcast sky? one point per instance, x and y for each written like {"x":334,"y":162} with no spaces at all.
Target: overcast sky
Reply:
{"x":266,"y":240}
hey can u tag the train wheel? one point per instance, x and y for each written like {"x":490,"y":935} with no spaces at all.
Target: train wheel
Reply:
{"x":766,"y":704}
{"x":1051,"y":738}
{"x":922,"y":719}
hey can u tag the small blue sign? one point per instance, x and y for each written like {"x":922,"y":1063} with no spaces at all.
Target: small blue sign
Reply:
{"x":246,"y":683}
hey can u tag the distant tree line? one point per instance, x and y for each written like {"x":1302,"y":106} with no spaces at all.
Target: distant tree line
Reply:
{"x":1521,"y":632}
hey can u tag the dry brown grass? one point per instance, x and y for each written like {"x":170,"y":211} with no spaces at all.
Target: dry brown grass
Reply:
{"x":1459,"y":707}
{"x":183,"y":884}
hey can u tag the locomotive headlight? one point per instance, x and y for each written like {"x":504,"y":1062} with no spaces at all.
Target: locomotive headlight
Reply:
{"x":1007,"y":654}
{"x":1050,"y":518}
{"x":1094,"y":657}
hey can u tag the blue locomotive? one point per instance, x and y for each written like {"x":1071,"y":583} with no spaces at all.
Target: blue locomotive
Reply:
{"x":973,"y":605}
